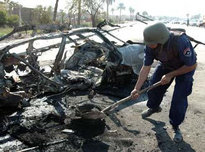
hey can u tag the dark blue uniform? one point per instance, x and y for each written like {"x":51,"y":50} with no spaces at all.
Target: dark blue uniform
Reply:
{"x":176,"y":52}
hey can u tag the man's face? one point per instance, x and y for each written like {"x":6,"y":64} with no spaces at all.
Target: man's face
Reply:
{"x":152,"y":46}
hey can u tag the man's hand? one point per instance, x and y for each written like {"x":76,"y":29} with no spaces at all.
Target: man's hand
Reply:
{"x":166,"y":79}
{"x":135,"y":94}
{"x":182,"y":70}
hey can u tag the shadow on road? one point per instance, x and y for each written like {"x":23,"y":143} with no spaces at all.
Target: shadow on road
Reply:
{"x":118,"y":123}
{"x":165,"y":143}
{"x":94,"y":146}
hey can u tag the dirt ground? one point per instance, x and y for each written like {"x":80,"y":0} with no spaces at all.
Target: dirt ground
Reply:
{"x":126,"y":131}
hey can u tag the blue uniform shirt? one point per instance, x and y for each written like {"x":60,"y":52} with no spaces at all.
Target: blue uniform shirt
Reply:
{"x":184,"y":49}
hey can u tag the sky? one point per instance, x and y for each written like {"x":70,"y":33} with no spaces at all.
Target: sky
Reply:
{"x":176,"y":8}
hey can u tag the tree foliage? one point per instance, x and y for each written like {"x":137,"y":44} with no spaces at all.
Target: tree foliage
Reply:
{"x":144,"y":13}
{"x":74,"y":8}
{"x":62,"y":16}
{"x":132,"y":11}
{"x":42,"y":15}
{"x":108,"y":2}
{"x":121,"y":7}
{"x":13,"y":20}
{"x":6,"y":17}
{"x":93,"y":8}
{"x":3,"y":17}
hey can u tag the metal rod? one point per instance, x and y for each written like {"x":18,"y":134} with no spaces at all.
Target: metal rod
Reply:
{"x":38,"y":72}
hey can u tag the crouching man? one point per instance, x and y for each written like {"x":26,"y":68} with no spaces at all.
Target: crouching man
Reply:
{"x":177,"y":61}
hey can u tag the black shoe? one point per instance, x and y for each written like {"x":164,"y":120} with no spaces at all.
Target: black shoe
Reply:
{"x":150,"y":111}
{"x":177,"y":135}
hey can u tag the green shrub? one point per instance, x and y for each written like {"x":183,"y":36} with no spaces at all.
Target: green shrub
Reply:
{"x":99,"y":20}
{"x":86,"y":24}
{"x":45,"y":18}
{"x":13,"y":20}
{"x":5,"y":30}
{"x":2,"y":18}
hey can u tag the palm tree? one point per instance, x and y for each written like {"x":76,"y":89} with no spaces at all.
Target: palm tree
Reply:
{"x":93,"y":8}
{"x":131,"y":12}
{"x":62,"y":16}
{"x":79,"y":11}
{"x":108,"y":2}
{"x":55,"y":11}
{"x":112,"y":10}
{"x":75,"y":7}
{"x":121,"y":7}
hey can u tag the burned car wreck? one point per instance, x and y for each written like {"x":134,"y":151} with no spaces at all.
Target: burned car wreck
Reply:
{"x":47,"y":90}
{"x":54,"y":87}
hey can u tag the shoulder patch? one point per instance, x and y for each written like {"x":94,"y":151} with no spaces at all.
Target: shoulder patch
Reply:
{"x":187,"y":52}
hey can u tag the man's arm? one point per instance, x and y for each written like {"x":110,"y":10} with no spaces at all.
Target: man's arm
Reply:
{"x":182,"y":70}
{"x":141,"y":79}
